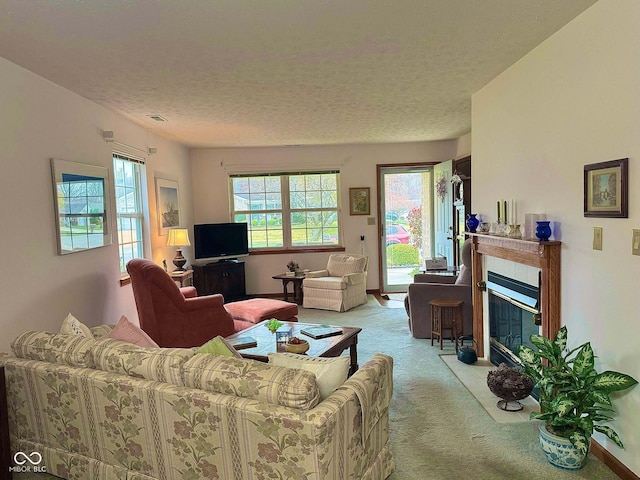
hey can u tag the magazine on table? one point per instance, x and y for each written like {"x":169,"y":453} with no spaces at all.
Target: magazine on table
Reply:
{"x":321,"y":331}
{"x":243,"y":341}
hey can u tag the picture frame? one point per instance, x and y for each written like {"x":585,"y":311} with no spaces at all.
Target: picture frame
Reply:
{"x":167,"y":204}
{"x":81,"y":195}
{"x":360,"y":201}
{"x":606,"y":189}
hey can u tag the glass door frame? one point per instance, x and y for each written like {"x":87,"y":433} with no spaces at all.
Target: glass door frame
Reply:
{"x":381,"y":170}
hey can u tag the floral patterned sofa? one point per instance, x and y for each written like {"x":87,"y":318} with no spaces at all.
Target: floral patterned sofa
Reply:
{"x":105,"y":409}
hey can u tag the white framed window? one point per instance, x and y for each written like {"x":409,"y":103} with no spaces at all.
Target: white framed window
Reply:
{"x":288,"y":210}
{"x":128,"y":184}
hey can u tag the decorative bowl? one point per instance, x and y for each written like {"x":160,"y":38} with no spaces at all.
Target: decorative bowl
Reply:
{"x":301,"y":347}
{"x":511,"y":385}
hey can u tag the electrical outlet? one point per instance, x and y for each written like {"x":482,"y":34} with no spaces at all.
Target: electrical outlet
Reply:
{"x":635,"y":242}
{"x":597,"y":238}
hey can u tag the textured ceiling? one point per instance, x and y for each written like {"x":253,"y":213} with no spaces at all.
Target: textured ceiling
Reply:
{"x":281,"y":72}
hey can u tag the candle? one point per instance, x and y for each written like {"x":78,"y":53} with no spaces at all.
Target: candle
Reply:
{"x":498,"y":202}
{"x":506,"y":217}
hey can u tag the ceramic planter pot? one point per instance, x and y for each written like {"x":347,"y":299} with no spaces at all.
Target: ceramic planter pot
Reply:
{"x":559,"y":451}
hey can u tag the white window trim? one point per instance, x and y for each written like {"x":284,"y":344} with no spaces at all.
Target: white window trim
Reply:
{"x":144,"y":204}
{"x":286,"y":210}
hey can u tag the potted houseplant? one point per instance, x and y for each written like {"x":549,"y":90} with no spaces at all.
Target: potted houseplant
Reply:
{"x":574,"y":399}
{"x":292,"y":268}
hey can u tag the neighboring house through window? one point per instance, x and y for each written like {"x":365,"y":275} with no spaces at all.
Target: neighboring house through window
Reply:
{"x":128,"y":183}
{"x":81,"y":202}
{"x":288,"y":210}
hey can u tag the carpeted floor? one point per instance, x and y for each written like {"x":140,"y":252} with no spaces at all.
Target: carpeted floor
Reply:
{"x":439,"y":431}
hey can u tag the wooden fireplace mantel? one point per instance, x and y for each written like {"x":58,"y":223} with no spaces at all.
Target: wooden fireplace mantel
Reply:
{"x":542,"y":255}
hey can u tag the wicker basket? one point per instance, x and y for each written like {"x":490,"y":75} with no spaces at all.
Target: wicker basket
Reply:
{"x":301,"y":347}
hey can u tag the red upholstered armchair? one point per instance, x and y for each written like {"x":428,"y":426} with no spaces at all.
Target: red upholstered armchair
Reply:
{"x":175,"y":317}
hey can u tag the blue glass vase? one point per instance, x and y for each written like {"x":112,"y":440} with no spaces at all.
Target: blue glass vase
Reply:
{"x":543,"y":230}
{"x":472,"y":222}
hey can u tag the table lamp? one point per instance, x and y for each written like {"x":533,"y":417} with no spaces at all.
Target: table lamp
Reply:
{"x":178,"y":237}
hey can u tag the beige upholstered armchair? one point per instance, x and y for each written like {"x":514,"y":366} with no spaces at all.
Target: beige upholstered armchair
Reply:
{"x":426,"y":287}
{"x":342,"y":286}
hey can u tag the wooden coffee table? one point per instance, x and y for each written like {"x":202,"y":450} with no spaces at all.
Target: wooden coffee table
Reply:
{"x":323,"y":347}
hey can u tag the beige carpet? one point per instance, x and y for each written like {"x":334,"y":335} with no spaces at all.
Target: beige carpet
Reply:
{"x":438,"y":430}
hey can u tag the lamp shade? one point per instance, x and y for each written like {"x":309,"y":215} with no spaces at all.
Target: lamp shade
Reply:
{"x":178,"y":237}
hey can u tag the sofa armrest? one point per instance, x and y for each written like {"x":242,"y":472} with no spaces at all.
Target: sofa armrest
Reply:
{"x":317,"y":274}
{"x":420,"y":294}
{"x":372,"y":385}
{"x":376,"y":373}
{"x":432,"y":278}
{"x":207,"y":301}
{"x":354,"y":278}
{"x":189,"y":292}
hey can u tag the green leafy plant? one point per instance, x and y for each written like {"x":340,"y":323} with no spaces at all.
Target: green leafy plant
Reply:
{"x":574,"y":398}
{"x":274,"y":324}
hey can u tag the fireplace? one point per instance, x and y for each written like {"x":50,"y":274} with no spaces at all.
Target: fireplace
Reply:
{"x":545,"y":256}
{"x":513,"y":317}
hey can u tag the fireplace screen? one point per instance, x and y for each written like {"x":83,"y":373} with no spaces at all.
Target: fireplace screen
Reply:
{"x":513,"y":317}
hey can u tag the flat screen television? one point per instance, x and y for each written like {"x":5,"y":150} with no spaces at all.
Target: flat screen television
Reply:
{"x":220,"y":241}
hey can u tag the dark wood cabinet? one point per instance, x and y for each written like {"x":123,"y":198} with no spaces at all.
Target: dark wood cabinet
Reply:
{"x":226,"y":278}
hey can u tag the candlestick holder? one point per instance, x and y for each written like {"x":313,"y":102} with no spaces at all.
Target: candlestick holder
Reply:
{"x":514,"y":231}
{"x":501,"y":228}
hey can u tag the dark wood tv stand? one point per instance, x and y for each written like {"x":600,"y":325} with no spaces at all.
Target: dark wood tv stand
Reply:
{"x":225,"y":277}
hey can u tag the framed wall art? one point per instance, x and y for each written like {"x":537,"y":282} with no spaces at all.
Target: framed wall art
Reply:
{"x":168,"y":204}
{"x":606,"y":189}
{"x":360,"y":201}
{"x":81,"y":200}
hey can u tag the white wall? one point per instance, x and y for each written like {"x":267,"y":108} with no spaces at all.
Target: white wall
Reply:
{"x":463,"y":146}
{"x":40,"y":121}
{"x":572,"y":101}
{"x":357,"y":164}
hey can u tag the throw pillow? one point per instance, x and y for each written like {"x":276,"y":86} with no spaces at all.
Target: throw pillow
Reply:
{"x":330,"y":372}
{"x":218,"y":346}
{"x":72,"y":326}
{"x":131,"y":333}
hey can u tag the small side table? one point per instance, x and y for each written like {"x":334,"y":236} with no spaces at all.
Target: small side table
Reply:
{"x":297,"y":285}
{"x":182,"y":278}
{"x":446,"y":314}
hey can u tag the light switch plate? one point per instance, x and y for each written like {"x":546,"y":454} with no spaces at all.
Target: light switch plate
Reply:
{"x":597,"y":238}
{"x":371,"y":220}
{"x":635,"y":242}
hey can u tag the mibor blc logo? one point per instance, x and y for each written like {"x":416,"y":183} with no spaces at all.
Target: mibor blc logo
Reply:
{"x":28,"y":462}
